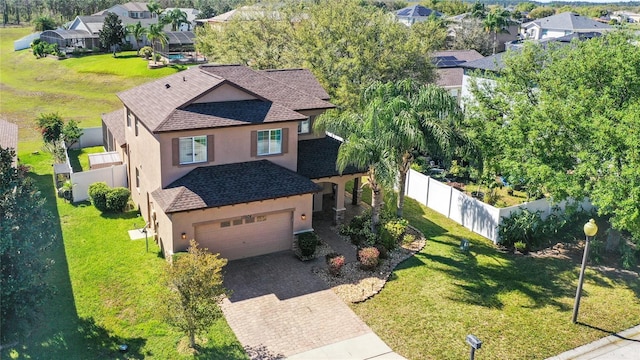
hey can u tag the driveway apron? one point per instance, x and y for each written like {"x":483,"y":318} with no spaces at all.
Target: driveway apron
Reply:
{"x":279,"y":308}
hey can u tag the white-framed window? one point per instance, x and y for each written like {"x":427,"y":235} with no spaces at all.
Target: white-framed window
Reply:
{"x":269,"y":142}
{"x":193,"y":149}
{"x":130,"y":117}
{"x":138,"y":179}
{"x":304,"y":126}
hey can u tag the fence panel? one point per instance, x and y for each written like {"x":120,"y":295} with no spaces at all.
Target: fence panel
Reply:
{"x":439,"y":197}
{"x":114,"y":176}
{"x":90,"y":137}
{"x":417,"y":186}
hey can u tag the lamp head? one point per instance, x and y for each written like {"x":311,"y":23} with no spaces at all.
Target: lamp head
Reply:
{"x":590,"y":228}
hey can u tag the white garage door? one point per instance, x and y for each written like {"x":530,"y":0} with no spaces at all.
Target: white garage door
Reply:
{"x":247,"y":236}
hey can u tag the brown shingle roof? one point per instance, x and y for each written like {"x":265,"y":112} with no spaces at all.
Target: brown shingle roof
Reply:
{"x":270,"y":88}
{"x":449,"y":77}
{"x":464,"y":55}
{"x":300,"y":79}
{"x":115,"y":123}
{"x":165,"y":104}
{"x":8,"y":135}
{"x":237,"y":183}
{"x":228,"y":113}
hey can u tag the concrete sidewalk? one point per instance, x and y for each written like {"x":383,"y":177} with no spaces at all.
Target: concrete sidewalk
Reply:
{"x":623,"y":345}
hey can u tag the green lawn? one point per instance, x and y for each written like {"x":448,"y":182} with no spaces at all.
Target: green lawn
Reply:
{"x":519,"y":306}
{"x":107,"y":286}
{"x":77,"y":88}
{"x":79,"y":158}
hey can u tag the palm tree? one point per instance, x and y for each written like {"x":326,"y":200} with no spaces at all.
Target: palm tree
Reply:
{"x":155,"y":9}
{"x":175,"y":17}
{"x":496,"y":22}
{"x":365,"y":146}
{"x":157,"y":35}
{"x":137,"y":31}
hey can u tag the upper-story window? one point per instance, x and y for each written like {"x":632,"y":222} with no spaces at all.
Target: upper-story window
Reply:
{"x":270,"y":142}
{"x":304,"y":126}
{"x":193,"y":149}
{"x":136,"y":124}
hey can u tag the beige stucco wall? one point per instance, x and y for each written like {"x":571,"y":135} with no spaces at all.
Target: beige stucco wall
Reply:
{"x":310,"y":135}
{"x":144,"y":153}
{"x":171,"y":227}
{"x":231,"y":145}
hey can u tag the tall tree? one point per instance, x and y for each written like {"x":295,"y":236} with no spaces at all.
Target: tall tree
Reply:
{"x":25,"y":234}
{"x":155,"y":9}
{"x":470,"y":35}
{"x":43,"y":23}
{"x":156,"y":35}
{"x":195,"y":281}
{"x":571,"y":129}
{"x":138,"y":32}
{"x":347,"y":45}
{"x":112,"y":33}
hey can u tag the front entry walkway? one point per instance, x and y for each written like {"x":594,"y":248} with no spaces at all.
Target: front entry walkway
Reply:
{"x":279,"y":309}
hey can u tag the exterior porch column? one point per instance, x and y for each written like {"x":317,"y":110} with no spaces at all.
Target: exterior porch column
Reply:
{"x":339,"y":209}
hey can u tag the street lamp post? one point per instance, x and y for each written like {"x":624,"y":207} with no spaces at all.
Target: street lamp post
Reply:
{"x":590,"y":230}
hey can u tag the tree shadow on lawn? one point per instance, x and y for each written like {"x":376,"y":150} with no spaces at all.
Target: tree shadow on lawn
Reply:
{"x":483,"y":283}
{"x":74,"y":159}
{"x":58,"y":332}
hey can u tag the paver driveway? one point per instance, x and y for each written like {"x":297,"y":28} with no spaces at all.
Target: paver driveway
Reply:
{"x":279,"y":306}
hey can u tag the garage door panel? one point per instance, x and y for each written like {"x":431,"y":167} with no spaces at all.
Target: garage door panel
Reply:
{"x":246,"y":237}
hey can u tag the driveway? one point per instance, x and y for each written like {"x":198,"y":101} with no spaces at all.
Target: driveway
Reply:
{"x":279,"y":308}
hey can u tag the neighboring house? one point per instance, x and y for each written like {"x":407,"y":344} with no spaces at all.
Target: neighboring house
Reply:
{"x":226,"y":155}
{"x":192,"y":15}
{"x":509,"y":33}
{"x":416,"y":13}
{"x":132,"y":10}
{"x":9,"y":138}
{"x":484,"y":70}
{"x":560,"y":25}
{"x":449,"y":68}
{"x":246,"y":13}
{"x":626,"y":17}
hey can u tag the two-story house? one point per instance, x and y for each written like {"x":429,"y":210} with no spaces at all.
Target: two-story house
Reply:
{"x":226,"y":155}
{"x":560,"y":25}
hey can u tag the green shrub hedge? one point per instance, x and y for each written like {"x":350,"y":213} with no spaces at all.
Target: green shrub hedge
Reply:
{"x":105,"y":198}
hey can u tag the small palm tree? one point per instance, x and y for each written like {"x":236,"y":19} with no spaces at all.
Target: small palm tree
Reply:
{"x":175,"y":17}
{"x":138,"y":32}
{"x":156,"y":35}
{"x":155,"y":8}
{"x":496,"y":22}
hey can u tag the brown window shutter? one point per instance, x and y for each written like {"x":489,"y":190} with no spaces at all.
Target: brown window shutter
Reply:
{"x":285,"y":140}
{"x":210,"y":152}
{"x":254,"y":143}
{"x":175,"y":151}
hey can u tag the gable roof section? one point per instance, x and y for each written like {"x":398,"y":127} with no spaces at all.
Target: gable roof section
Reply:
{"x":263,"y":85}
{"x":237,"y":183}
{"x":228,"y":113}
{"x":115,"y":123}
{"x":317,"y":158}
{"x":416,"y":11}
{"x":135,"y":6}
{"x":163,"y":105}
{"x":299,"y":79}
{"x":568,"y":21}
{"x":489,"y":63}
{"x":8,"y":135}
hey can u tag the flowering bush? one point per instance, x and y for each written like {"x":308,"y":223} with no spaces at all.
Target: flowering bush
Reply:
{"x":369,"y":258}
{"x":335,"y":262}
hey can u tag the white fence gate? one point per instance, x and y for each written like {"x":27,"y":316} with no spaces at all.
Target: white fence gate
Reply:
{"x":467,"y":211}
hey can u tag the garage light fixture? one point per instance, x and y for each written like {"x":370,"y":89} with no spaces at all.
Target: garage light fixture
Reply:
{"x":303,"y":217}
{"x":184,"y":236}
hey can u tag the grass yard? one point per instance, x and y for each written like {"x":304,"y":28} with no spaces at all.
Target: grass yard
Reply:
{"x":76,"y":88}
{"x":519,"y":306}
{"x":79,"y":158}
{"x":107,"y":286}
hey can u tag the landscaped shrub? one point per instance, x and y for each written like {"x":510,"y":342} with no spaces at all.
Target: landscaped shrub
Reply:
{"x":408,"y":239}
{"x":521,"y":246}
{"x":384,"y":253}
{"x":146,"y":52}
{"x":307,"y":243}
{"x":117,"y":198}
{"x":359,"y":230}
{"x":391,"y":233}
{"x":368,"y":257}
{"x":335,"y":262}
{"x":98,"y":195}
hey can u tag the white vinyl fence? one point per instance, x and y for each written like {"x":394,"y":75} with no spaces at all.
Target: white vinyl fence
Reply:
{"x":467,"y":211}
{"x":25,"y":42}
{"x":114,"y":176}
